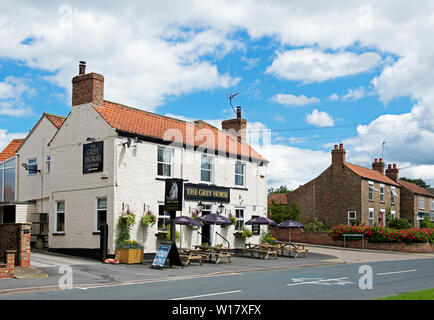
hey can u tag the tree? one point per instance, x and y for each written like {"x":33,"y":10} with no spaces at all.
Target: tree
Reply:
{"x":281,"y":189}
{"x":419,"y":182}
{"x":283,"y":212}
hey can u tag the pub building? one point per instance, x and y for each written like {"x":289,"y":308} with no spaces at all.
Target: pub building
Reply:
{"x":107,"y":159}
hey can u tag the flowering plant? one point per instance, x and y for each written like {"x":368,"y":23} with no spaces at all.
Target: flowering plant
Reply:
{"x":233,"y":219}
{"x":149,"y":219}
{"x":381,"y":234}
{"x":129,"y":244}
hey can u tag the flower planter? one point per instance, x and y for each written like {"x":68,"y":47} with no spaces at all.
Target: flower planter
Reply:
{"x":130,"y":256}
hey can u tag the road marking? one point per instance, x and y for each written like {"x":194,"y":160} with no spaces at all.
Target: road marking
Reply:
{"x":339,"y":281}
{"x":395,"y":272}
{"x":208,"y":295}
{"x":135,"y":282}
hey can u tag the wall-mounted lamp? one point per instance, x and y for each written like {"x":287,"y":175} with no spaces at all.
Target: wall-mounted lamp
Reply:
{"x":220,"y":208}
{"x":26,"y":166}
{"x":128,"y":143}
{"x":90,"y":139}
{"x":200,"y":206}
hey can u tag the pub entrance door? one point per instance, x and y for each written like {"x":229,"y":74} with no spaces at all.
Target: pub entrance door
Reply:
{"x":206,"y":228}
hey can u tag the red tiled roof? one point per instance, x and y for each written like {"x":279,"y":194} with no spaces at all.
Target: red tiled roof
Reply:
{"x":280,"y":198}
{"x":11,"y":149}
{"x":56,"y":120}
{"x":152,"y":125}
{"x":371,"y":174}
{"x":415,"y":188}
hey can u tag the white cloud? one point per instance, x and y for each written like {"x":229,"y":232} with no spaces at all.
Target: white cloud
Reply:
{"x":279,"y":118}
{"x":352,"y":94}
{"x":319,"y":119}
{"x":312,"y":65}
{"x":12,"y":92}
{"x":6,"y":137}
{"x":289,"y":99}
{"x":333,"y":97}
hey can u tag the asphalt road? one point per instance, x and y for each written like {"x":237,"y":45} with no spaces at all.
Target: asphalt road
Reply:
{"x":331,"y":282}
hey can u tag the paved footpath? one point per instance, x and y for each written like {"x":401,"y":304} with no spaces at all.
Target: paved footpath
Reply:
{"x":90,"y":273}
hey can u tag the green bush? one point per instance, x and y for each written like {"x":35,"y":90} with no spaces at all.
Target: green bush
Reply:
{"x":399,"y":224}
{"x":246,"y":233}
{"x":316,"y":226}
{"x":282,"y":212}
{"x":267,"y":238}
{"x":427,"y":223}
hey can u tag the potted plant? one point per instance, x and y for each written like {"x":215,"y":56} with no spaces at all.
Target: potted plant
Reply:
{"x":130,"y":251}
{"x":126,"y":223}
{"x":243,"y":233}
{"x":233,"y":219}
{"x":149,"y":219}
{"x":162,"y":232}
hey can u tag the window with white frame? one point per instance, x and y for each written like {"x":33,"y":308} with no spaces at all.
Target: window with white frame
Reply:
{"x":371,"y":191}
{"x":421,"y":204}
{"x":432,"y":205}
{"x":382,"y":192}
{"x":47,"y":164}
{"x":7,"y":180}
{"x":164,"y":162}
{"x":60,"y":216}
{"x":393,"y":214}
{"x":163,"y":218}
{"x":239,"y":215}
{"x":206,"y":169}
{"x":393,"y":195}
{"x":352,"y":218}
{"x":101,"y":213}
{"x":32,"y":166}
{"x":371,"y":216}
{"x":240,"y":174}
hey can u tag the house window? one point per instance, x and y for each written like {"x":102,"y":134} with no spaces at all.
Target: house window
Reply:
{"x":206,"y":168}
{"x":371,"y":191}
{"x":383,"y":217}
{"x":432,"y":205}
{"x":164,"y":162}
{"x":393,"y":195}
{"x":239,"y":214}
{"x":48,"y":164}
{"x":371,"y":216}
{"x":240,"y":169}
{"x":60,"y":216}
{"x":163,"y":216}
{"x":352,"y":218}
{"x":32,"y":166}
{"x":7,"y":181}
{"x":393,"y":214}
{"x":421,"y":204}
{"x":101,"y":213}
{"x":381,"y":192}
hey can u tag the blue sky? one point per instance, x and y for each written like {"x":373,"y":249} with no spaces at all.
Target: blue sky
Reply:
{"x":315,"y":74}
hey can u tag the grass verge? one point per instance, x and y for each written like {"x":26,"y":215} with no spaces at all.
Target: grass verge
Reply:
{"x":416,"y":295}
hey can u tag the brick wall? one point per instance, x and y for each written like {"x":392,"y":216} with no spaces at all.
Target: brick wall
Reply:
{"x":7,"y":270}
{"x":322,"y":238}
{"x":16,"y":236}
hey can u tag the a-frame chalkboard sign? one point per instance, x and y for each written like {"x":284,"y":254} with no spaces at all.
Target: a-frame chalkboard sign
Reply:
{"x":167,"y":252}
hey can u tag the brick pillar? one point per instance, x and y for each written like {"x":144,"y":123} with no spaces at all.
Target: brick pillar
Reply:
{"x":24,"y":254}
{"x":10,"y":263}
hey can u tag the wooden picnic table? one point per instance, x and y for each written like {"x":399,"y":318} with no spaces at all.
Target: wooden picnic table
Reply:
{"x":217,"y":252}
{"x":190,"y":255}
{"x":261,"y":249}
{"x":291,"y":247}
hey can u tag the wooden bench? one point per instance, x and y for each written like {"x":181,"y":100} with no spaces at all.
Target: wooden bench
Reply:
{"x":262,"y":250}
{"x":291,"y":247}
{"x":217,"y":252}
{"x":191,"y":255}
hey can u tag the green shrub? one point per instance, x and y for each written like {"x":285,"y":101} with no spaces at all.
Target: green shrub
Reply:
{"x":316,"y":226}
{"x":267,"y":238}
{"x":246,"y":233}
{"x":427,"y":222}
{"x":283,"y":212}
{"x":399,"y":224}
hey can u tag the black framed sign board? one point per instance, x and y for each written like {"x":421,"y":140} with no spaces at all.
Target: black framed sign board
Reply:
{"x":173,"y":195}
{"x":93,"y":157}
{"x":202,"y":192}
{"x":167,"y":251}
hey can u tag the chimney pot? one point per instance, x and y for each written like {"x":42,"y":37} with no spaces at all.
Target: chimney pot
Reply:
{"x":336,"y":147}
{"x":82,"y":67}
{"x":341,"y":146}
{"x":381,"y":160}
{"x":394,"y":166}
{"x":236,"y":127}
{"x":375,"y":160}
{"x":389,"y":166}
{"x":238,"y":112}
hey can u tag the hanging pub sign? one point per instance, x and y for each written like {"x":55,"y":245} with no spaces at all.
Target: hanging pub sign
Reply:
{"x":173,"y":195}
{"x":93,"y":157}
{"x":167,"y":250}
{"x":199,"y":192}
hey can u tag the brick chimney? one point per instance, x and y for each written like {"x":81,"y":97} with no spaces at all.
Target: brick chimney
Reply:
{"x":338,"y":156}
{"x":236,"y":127}
{"x":392,"y":172}
{"x":378,"y":165}
{"x":87,"y":88}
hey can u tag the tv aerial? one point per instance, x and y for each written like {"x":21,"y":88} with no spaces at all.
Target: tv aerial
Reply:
{"x":231,"y":97}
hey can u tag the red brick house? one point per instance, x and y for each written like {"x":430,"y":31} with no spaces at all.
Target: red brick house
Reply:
{"x":416,"y":203}
{"x":346,"y":193}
